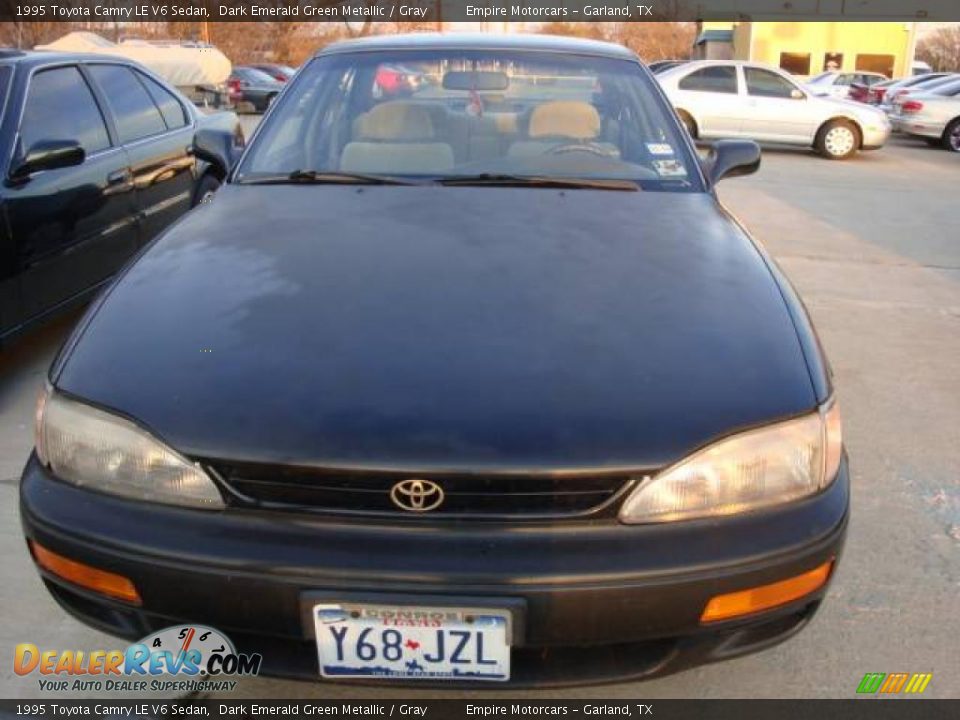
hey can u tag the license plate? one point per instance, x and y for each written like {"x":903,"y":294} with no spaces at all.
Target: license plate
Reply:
{"x":362,"y":641}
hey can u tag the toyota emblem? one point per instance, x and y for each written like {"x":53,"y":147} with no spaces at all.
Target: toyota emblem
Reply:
{"x":416,"y":495}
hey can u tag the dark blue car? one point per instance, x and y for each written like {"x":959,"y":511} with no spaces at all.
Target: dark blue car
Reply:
{"x":480,"y":384}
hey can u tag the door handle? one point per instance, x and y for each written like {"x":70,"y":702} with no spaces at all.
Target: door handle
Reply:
{"x":119,"y":177}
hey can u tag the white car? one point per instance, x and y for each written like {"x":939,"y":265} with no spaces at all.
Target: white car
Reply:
{"x":735,"y":99}
{"x":934,"y":116}
{"x":837,"y":84}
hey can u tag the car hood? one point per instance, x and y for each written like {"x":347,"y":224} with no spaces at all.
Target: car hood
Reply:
{"x":445,"y":327}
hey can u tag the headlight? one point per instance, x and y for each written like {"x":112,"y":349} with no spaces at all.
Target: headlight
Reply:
{"x":95,"y":449}
{"x":751,"y":470}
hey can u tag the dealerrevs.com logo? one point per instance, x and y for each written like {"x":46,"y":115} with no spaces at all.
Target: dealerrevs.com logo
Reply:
{"x":174,"y":659}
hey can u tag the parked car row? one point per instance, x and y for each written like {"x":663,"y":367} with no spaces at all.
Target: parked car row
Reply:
{"x":101,"y":155}
{"x":836,"y":113}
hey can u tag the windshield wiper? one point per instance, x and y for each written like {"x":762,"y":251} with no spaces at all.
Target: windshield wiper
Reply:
{"x":506,"y":180}
{"x":326,"y":177}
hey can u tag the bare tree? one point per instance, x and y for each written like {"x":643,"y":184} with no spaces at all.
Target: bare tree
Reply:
{"x":657,"y":40}
{"x":650,"y":40}
{"x":941,"y":49}
{"x":27,"y":34}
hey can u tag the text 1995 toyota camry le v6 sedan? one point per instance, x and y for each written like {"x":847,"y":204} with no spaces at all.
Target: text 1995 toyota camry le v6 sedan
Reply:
{"x":480,"y":384}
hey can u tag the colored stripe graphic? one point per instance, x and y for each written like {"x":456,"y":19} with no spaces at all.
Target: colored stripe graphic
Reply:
{"x":871,"y":682}
{"x":894,"y":683}
{"x":918,"y":682}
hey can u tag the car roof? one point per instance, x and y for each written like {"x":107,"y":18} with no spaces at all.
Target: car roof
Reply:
{"x":32,"y":58}
{"x":480,"y":41}
{"x":696,"y":64}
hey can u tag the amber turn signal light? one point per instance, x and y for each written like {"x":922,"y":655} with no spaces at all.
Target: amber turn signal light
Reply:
{"x":764,"y":597}
{"x":100,"y":581}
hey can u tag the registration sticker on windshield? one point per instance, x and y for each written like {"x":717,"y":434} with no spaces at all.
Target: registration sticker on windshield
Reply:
{"x":659,"y":149}
{"x":670,"y":168}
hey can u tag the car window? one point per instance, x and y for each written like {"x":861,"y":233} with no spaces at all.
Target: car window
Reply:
{"x":60,"y":106}
{"x":173,"y":113}
{"x":717,"y":78}
{"x":136,"y":114}
{"x":253,"y":75}
{"x":441,"y":115}
{"x":843,"y":79}
{"x":763,"y":83}
{"x":950,"y":89}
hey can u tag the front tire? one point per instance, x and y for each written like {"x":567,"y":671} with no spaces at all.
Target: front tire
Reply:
{"x":838,"y":140}
{"x":951,"y":136}
{"x":207,"y":186}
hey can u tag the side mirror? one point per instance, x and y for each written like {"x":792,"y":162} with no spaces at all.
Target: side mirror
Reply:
{"x":730,"y":158}
{"x":797,"y":94}
{"x":217,"y":147}
{"x":48,"y":155}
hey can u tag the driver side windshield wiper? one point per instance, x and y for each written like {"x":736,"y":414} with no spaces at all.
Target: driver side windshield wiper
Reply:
{"x":326,"y":177}
{"x":539,"y":181}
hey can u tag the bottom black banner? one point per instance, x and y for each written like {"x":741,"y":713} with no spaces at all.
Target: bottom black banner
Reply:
{"x":868,"y":709}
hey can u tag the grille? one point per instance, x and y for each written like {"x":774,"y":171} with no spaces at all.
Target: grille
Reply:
{"x":490,"y":496}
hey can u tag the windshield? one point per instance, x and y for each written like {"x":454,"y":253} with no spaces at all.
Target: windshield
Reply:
{"x":442,"y":115}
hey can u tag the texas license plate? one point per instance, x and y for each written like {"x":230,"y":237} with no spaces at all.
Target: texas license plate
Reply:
{"x":362,"y":641}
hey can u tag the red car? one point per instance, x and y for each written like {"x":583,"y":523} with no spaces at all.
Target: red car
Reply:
{"x":869,"y":94}
{"x":280,"y":73}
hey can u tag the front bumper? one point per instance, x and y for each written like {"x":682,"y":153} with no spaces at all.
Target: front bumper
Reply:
{"x":593,"y":601}
{"x":876,"y":135}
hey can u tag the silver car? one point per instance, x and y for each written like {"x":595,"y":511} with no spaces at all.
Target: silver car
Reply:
{"x":726,"y":98}
{"x":916,"y":83}
{"x":837,"y":84}
{"x":934,"y":116}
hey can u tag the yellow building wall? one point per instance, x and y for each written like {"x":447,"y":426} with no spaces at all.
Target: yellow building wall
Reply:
{"x":765,"y":41}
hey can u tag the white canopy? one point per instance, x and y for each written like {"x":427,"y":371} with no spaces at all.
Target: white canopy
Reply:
{"x":178,"y":65}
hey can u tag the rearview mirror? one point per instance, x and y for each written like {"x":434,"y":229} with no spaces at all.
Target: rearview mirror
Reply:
{"x":49,"y":155}
{"x":797,"y":94}
{"x":480,"y":81}
{"x":730,"y":158}
{"x":217,"y":147}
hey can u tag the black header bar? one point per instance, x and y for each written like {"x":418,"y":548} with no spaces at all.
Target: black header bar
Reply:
{"x":473,"y":10}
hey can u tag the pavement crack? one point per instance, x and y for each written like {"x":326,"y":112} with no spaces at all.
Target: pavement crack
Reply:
{"x":9,"y":481}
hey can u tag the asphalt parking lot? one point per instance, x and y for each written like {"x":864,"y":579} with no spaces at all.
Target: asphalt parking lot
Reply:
{"x":873,"y":245}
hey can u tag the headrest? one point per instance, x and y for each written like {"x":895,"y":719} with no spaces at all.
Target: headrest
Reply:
{"x":395,"y":120}
{"x":565,"y":118}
